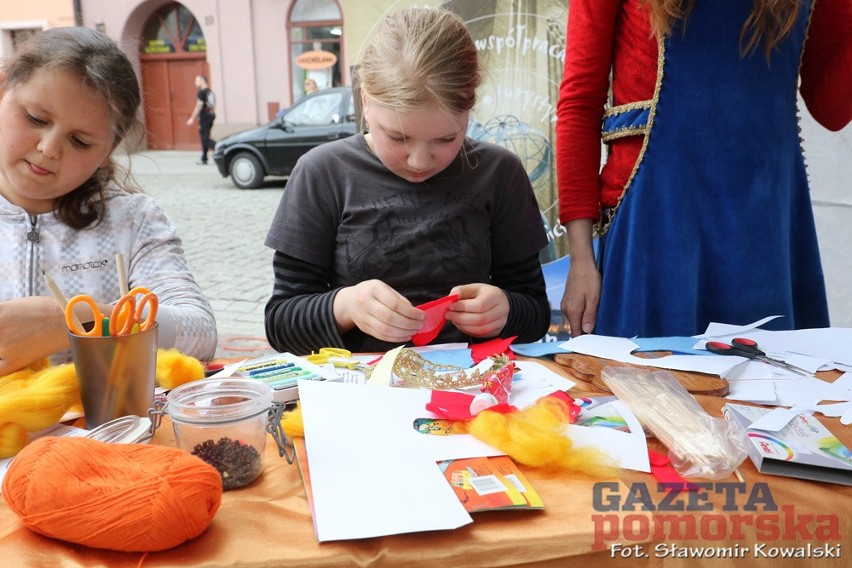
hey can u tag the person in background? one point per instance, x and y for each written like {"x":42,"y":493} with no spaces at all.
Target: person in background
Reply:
{"x":205,"y":111}
{"x":377,"y":223}
{"x":703,"y":202}
{"x":311,"y":86}
{"x":68,"y":98}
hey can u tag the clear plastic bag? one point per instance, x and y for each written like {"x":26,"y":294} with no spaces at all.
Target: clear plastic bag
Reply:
{"x":699,"y":444}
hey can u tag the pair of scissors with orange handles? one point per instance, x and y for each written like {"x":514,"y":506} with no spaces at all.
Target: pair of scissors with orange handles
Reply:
{"x":128,"y":315}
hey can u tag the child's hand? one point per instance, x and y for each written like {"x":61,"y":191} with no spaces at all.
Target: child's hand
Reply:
{"x":31,"y":328}
{"x":378,"y":310}
{"x":482,"y":310}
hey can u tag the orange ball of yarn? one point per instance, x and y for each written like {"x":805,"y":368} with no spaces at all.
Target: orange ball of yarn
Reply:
{"x":128,"y":497}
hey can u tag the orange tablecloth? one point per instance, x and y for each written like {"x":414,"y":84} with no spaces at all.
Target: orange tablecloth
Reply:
{"x":268,"y":524}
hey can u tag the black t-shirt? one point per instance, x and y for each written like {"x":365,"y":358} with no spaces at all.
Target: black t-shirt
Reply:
{"x":345,"y":210}
{"x":208,"y":101}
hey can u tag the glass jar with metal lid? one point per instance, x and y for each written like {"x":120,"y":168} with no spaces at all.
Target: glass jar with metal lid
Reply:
{"x":225,"y":422}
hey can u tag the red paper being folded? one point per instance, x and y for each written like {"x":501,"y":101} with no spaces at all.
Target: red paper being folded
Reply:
{"x":434,"y":321}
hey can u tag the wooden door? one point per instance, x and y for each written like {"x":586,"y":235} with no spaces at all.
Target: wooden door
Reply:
{"x":169,"y":87}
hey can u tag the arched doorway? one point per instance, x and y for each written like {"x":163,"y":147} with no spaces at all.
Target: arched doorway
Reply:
{"x":173,"y":53}
{"x":315,"y":30}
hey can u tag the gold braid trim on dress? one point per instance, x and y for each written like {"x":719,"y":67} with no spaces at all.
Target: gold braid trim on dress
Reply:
{"x":619,"y":109}
{"x":602,"y":226}
{"x":624,"y":131}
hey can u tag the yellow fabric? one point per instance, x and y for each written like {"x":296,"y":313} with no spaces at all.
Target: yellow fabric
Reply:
{"x":174,"y":368}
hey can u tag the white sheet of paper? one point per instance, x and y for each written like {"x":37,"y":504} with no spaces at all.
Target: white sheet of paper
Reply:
{"x":777,"y":419}
{"x":834,"y":409}
{"x":628,"y":449}
{"x":228,"y":370}
{"x":753,"y":391}
{"x":535,"y":381}
{"x":715,"y":329}
{"x":844,"y":381}
{"x":372,"y":474}
{"x":806,"y":362}
{"x":368,"y":434}
{"x":809,"y":392}
{"x":826,"y":343}
{"x":750,"y":370}
{"x":619,"y":349}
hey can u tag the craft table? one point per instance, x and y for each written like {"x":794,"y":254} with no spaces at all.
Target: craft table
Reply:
{"x":268,"y":524}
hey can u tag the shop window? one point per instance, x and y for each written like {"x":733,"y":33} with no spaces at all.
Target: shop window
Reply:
{"x":173,"y":29}
{"x":315,"y":28}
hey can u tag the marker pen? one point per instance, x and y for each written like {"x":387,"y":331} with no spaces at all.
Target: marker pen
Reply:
{"x":264,"y":365}
{"x":288,"y":382}
{"x":272,"y":368}
{"x":278,"y":373}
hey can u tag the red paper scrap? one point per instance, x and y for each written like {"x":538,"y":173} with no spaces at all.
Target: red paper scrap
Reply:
{"x":664,"y":472}
{"x":434,"y":321}
{"x":497,"y":346}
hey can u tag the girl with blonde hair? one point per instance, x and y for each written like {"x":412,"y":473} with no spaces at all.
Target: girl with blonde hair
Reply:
{"x":410,"y":211}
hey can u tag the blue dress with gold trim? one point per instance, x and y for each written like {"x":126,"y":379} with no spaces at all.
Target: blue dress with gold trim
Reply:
{"x":716,"y":223}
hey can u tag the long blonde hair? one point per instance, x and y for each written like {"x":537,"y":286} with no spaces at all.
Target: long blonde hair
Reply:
{"x":420,"y":56}
{"x":769,"y":21}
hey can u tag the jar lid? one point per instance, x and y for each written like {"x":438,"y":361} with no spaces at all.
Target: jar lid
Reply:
{"x":211,"y":401}
{"x":130,"y":429}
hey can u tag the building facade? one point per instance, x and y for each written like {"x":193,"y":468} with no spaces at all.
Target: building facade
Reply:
{"x":19,"y":19}
{"x":249,"y":50}
{"x":257,"y":54}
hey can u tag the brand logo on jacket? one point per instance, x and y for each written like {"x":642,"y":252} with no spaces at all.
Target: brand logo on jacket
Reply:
{"x":88,"y":265}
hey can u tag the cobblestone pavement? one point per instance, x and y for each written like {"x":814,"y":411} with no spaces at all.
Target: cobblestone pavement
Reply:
{"x":223,"y":229}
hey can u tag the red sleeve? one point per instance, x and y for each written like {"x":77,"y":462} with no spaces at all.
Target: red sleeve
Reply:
{"x":827,"y":64}
{"x":579,"y":110}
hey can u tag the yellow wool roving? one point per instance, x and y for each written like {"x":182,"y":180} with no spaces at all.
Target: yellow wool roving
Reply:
{"x":292,"y":423}
{"x":36,"y":397}
{"x":174,"y":368}
{"x":535,"y":436}
{"x":33,"y":399}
